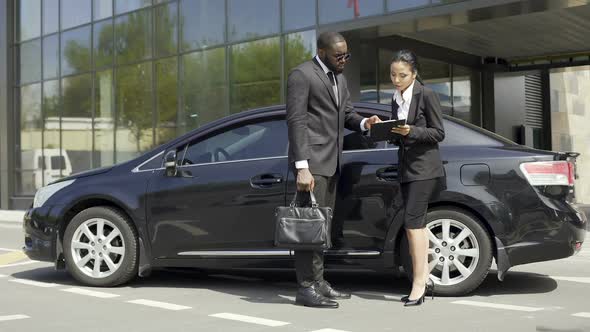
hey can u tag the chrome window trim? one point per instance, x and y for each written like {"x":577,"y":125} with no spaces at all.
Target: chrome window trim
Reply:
{"x":137,"y":168}
{"x":233,"y":161}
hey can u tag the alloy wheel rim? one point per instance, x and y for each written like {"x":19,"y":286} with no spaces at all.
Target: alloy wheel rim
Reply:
{"x":453,"y":252}
{"x":98,"y":248}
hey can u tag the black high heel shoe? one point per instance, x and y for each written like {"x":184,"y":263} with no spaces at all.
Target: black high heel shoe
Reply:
{"x":429,"y":288}
{"x":413,"y":303}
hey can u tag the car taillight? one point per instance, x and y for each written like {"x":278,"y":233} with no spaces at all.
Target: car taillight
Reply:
{"x":549,"y":173}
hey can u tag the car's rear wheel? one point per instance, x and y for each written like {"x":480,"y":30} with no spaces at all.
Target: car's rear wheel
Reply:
{"x":100,"y":247}
{"x":460,"y":253}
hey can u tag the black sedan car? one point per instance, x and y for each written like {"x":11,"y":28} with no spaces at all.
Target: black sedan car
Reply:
{"x":207,"y":200}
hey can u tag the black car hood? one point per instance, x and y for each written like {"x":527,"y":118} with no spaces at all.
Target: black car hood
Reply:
{"x":86,"y":173}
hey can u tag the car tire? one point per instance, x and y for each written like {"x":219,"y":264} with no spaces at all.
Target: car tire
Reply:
{"x":115,"y":248}
{"x":457,"y":284}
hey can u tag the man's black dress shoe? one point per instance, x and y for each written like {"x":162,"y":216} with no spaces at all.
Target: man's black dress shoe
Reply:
{"x":309,"y":297}
{"x":326,"y":290}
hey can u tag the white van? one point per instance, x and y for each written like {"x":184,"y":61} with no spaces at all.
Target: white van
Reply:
{"x":45,"y":166}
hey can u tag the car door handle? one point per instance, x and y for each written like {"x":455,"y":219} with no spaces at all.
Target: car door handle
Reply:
{"x":265,"y":180}
{"x":387,"y":173}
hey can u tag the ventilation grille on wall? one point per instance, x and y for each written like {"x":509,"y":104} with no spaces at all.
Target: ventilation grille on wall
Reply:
{"x":533,"y":100}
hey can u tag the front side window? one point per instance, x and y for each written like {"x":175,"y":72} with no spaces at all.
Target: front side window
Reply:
{"x":257,"y":140}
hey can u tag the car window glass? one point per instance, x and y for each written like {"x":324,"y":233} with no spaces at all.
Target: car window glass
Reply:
{"x":250,"y":141}
{"x":153,"y":164}
{"x":457,"y":134}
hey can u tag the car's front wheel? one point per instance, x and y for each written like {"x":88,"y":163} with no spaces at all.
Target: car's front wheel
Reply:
{"x":460,"y":251}
{"x":100,"y":247}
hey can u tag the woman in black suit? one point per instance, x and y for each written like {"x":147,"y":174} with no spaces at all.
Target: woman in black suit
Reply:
{"x":421,"y":174}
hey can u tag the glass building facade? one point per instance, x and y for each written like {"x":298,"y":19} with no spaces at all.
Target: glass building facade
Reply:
{"x":99,"y":82}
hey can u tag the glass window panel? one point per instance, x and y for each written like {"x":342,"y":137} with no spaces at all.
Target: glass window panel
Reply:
{"x":570,"y":116}
{"x":50,"y":16}
{"x":166,"y":29}
{"x":251,"y":141}
{"x":436,"y":75}
{"x":204,"y":88}
{"x":342,"y":10}
{"x":75,"y":51}
{"x":30,"y":61}
{"x":298,"y":14}
{"x":255,"y":74}
{"x":368,"y":64}
{"x":51,"y":56}
{"x":102,"y":9}
{"x":51,"y":125}
{"x":103,"y":44}
{"x":29,"y":18}
{"x":465,"y":87}
{"x":104,"y":139}
{"x":75,"y":12}
{"x":299,"y":47}
{"x":134,"y":110}
{"x":250,"y":19}
{"x":167,"y":99}
{"x":76,"y":123}
{"x":123,"y":6}
{"x":30,"y":172}
{"x":133,"y":36}
{"x":394,"y":5}
{"x":202,"y":23}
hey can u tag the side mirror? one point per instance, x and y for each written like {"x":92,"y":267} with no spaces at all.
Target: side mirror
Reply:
{"x":170,"y":163}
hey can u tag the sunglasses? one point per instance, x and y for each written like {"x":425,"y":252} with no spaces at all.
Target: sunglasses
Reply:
{"x":342,"y":57}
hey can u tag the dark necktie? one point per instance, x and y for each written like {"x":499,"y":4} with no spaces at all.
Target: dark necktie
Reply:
{"x":334,"y":82}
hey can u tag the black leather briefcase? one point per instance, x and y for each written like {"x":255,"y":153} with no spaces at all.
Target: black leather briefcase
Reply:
{"x":303,"y":227}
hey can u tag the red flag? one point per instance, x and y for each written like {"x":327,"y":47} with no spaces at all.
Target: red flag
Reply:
{"x":357,"y":11}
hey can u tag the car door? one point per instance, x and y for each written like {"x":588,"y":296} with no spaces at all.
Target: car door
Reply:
{"x":223,"y":197}
{"x":368,"y":196}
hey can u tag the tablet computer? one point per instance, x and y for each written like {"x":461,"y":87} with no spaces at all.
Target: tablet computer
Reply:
{"x":381,"y":131}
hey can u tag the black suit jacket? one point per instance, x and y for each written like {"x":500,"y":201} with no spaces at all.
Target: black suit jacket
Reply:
{"x":315,"y":122}
{"x":419,"y":156}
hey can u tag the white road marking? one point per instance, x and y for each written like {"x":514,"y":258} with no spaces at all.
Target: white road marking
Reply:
{"x":11,"y":250}
{"x":162,"y":305}
{"x":250,"y":319}
{"x":2,"y":276}
{"x":582,"y":314}
{"x":374,"y":294}
{"x":21,"y":263}
{"x":13,"y":317}
{"x":88,"y":292}
{"x":498,"y":306}
{"x":33,"y":283}
{"x":328,"y":330}
{"x":585,"y":280}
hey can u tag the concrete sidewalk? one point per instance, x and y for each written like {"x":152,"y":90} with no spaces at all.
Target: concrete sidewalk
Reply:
{"x":12,"y":216}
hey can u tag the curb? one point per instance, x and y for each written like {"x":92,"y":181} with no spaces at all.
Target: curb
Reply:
{"x":12,"y":216}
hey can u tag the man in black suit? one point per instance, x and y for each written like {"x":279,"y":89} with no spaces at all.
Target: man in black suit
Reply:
{"x":318,"y":109}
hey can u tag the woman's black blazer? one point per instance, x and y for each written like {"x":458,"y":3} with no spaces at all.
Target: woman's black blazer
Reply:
{"x":419,"y":156}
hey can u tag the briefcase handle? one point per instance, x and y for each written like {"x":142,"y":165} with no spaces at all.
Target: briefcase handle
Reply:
{"x":314,"y":203}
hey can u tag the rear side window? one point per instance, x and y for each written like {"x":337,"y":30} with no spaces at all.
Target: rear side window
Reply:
{"x":458,"y":134}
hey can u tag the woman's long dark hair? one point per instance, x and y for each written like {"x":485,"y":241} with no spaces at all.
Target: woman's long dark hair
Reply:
{"x":410,"y":58}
